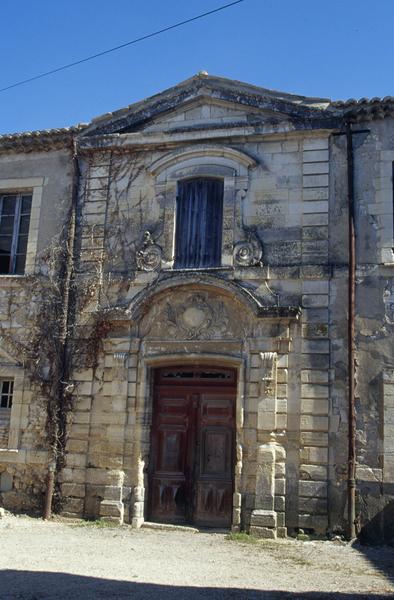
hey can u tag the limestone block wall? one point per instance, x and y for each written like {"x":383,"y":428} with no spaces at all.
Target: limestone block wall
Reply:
{"x":374,"y":323}
{"x":5,"y":415}
{"x":374,"y":157}
{"x":299,"y":211}
{"x":315,"y":345}
{"x":292,"y":213}
{"x":109,"y":437}
{"x":23,"y":442}
{"x":286,"y":198}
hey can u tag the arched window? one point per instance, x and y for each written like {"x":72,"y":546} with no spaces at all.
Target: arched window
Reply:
{"x":201,"y":189}
{"x":198,"y":227}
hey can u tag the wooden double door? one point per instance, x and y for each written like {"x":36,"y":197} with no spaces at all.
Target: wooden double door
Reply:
{"x":192,"y":446}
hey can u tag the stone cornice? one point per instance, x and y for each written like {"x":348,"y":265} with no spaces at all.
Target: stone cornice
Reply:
{"x":232,"y":133}
{"x":212,"y":88}
{"x":263,"y":305}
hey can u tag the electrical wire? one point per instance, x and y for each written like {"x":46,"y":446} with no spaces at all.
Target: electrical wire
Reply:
{"x":135,"y":41}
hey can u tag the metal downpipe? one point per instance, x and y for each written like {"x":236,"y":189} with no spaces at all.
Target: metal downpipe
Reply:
{"x":351,"y":336}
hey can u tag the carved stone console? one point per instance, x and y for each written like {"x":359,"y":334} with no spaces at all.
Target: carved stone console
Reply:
{"x":266,"y":414}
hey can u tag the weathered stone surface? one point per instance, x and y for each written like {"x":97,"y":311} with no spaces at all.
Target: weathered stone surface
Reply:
{"x":312,"y":471}
{"x":73,"y":489}
{"x":112,"y":510}
{"x":263,"y":532}
{"x":73,"y":506}
{"x":315,"y":489}
{"x":281,"y":532}
{"x":6,"y":482}
{"x":318,"y":523}
{"x":263,"y":518}
{"x":313,"y":506}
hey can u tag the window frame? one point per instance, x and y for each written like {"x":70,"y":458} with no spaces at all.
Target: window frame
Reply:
{"x":382,"y":207}
{"x":33,"y":186}
{"x":203,"y":160}
{"x":9,"y":394}
{"x":6,"y":412}
{"x":11,"y":370}
{"x":16,"y":232}
{"x":179,"y":261}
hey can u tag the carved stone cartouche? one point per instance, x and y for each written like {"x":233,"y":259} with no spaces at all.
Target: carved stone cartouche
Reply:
{"x":149,"y":255}
{"x":248,"y":252}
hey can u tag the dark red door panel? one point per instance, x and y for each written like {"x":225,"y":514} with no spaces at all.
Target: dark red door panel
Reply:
{"x":192,"y":451}
{"x":169,"y":470}
{"x":214,"y":478}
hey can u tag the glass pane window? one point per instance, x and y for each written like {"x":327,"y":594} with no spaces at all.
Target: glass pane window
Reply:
{"x":14,"y":227}
{"x":6,"y":392}
{"x":199,"y":217}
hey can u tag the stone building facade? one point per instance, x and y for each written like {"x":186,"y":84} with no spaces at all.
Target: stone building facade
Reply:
{"x":182,"y":365}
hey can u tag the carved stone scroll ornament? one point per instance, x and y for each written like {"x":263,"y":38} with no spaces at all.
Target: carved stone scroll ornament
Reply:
{"x":120,"y":358}
{"x":119,"y":370}
{"x":266,"y":411}
{"x":249,"y":252}
{"x":149,"y":254}
{"x":268,"y":373}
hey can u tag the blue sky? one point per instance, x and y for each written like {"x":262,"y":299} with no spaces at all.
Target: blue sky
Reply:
{"x":338,"y":49}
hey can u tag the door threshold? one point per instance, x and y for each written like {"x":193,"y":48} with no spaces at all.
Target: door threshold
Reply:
{"x":169,"y":527}
{"x":213,"y":529}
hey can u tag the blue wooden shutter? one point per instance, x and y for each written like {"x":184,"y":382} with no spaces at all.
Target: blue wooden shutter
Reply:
{"x":199,"y":218}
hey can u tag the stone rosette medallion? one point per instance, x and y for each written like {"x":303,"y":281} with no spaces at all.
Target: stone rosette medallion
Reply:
{"x":149,"y":255}
{"x":249,"y":252}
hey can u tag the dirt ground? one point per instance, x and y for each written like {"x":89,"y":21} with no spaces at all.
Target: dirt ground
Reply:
{"x":58,"y":560}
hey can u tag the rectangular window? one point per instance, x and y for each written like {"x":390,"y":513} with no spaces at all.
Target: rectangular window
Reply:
{"x":6,"y":392}
{"x":199,"y":218}
{"x":14,"y":230}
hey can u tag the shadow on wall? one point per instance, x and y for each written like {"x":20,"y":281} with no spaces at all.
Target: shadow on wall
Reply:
{"x":376,"y":507}
{"x":380,"y":529}
{"x":29,"y":585}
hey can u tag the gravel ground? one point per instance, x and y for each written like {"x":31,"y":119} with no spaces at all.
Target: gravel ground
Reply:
{"x":58,"y":560}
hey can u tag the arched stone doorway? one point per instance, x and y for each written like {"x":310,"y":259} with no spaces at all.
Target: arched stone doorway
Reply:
{"x":190,"y":320}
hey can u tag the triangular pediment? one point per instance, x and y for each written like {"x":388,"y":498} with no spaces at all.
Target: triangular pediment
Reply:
{"x":205,"y":112}
{"x":209,"y":101}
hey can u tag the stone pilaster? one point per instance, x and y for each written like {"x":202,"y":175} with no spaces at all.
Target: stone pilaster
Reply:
{"x":263,"y":522}
{"x":111,"y":506}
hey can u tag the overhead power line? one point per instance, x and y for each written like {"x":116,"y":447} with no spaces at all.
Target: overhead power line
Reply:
{"x":108,"y":51}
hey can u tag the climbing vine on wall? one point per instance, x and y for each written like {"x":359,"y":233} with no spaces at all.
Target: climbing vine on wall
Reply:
{"x":66,"y":307}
